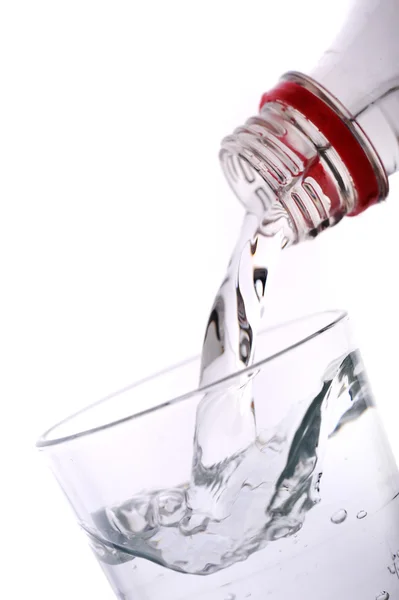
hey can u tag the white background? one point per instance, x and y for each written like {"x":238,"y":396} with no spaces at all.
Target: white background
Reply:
{"x":117,"y":225}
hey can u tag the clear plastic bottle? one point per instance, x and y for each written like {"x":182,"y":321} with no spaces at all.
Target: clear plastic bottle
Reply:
{"x":324,"y":143}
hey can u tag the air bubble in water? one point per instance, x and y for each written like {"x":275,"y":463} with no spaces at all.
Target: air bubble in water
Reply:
{"x":339,"y":517}
{"x":361,"y":515}
{"x":171,"y":507}
{"x":382,"y":596}
{"x":230,"y":597}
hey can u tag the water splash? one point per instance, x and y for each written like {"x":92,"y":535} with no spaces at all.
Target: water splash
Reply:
{"x":253,"y":498}
{"x":247,"y":489}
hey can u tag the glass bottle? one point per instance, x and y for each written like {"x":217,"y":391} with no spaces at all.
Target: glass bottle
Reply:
{"x":324,"y":143}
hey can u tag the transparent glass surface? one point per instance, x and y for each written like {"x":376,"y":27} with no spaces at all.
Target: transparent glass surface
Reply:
{"x":361,"y":69}
{"x":317,"y":508}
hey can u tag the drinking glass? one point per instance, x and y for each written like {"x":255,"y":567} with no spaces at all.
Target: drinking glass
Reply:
{"x":309,"y":510}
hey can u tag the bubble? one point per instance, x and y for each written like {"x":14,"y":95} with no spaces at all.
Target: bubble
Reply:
{"x":259,"y":288}
{"x":230,"y":597}
{"x":361,"y":515}
{"x":382,"y":596}
{"x":171,"y":507}
{"x":244,"y":350}
{"x":339,"y":517}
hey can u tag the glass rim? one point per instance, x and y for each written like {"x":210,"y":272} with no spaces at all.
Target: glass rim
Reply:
{"x":336,"y":316}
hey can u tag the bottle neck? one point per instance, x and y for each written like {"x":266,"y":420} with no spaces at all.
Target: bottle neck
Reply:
{"x":307,"y":152}
{"x":360,"y":68}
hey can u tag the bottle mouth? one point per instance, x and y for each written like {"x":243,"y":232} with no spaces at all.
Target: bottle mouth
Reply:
{"x":307,"y":151}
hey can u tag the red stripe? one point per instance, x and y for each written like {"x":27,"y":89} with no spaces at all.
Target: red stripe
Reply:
{"x":337,"y":133}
